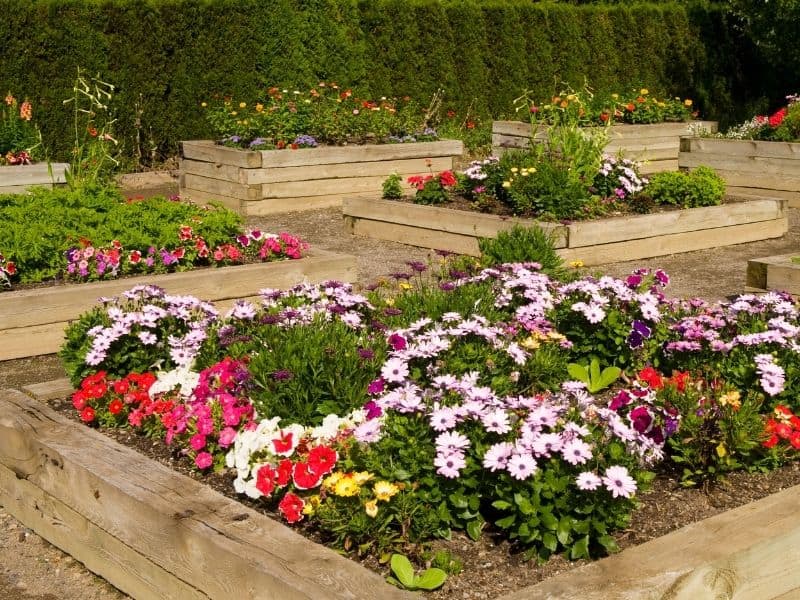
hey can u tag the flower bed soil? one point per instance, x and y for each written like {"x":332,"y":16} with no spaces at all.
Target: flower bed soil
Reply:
{"x":16,"y":179}
{"x":656,"y":145}
{"x":270,"y":181}
{"x":754,"y":168}
{"x":593,"y":242}
{"x":675,"y":565}
{"x":34,"y":319}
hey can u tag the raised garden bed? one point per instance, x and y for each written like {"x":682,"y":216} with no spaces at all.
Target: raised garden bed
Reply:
{"x":154,"y":533}
{"x":33,"y":320}
{"x":655,"y":145}
{"x":593,"y":242}
{"x":774,"y":273}
{"x":16,"y":179}
{"x":756,"y":168}
{"x":270,"y":181}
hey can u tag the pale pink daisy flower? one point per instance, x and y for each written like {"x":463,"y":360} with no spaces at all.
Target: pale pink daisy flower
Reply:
{"x":619,"y":482}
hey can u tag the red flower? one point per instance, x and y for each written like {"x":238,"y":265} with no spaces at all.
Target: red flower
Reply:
{"x":179,"y":253}
{"x":265,"y":480}
{"x":783,"y":430}
{"x":283,"y":444}
{"x":794,"y":440}
{"x":679,"y":379}
{"x":135,"y":257}
{"x":446,"y":178}
{"x":115,"y":406}
{"x":87,"y":414}
{"x":121,"y":386}
{"x":630,"y":107}
{"x":771,"y":441}
{"x":291,"y":507}
{"x":604,"y":116}
{"x":10,"y":268}
{"x":776,"y":119}
{"x":79,"y":400}
{"x":304,"y":478}
{"x":322,"y":459}
{"x":284,"y":474}
{"x":651,"y":377}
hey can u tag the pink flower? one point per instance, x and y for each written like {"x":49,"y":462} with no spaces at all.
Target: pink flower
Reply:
{"x":226,"y":437}
{"x":619,"y":482}
{"x":203,"y":460}
{"x":450,"y":465}
{"x":521,"y":466}
{"x":588,"y":481}
{"x":197,"y":442}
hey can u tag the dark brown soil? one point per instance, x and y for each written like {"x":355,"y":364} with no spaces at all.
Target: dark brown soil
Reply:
{"x":489,"y":570}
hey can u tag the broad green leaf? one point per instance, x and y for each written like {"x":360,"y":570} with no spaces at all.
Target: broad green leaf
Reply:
{"x":431,"y":579}
{"x":549,"y":541}
{"x":580,"y":549}
{"x":402,"y":569}
{"x":578,"y":372}
{"x":474,"y":530}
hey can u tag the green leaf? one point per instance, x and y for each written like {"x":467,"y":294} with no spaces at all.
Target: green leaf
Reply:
{"x":608,"y":376}
{"x":578,"y":372}
{"x":506,"y":522}
{"x":549,"y":521}
{"x":609,"y":543}
{"x":524,"y":505}
{"x":580,"y":549}
{"x":458,"y":500}
{"x":564,"y":532}
{"x":430,"y":579}
{"x":474,"y":530}
{"x":594,"y":371}
{"x":402,"y":569}
{"x":549,"y":541}
{"x":501,"y":504}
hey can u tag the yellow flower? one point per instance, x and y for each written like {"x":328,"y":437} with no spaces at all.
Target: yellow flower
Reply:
{"x":203,"y":104}
{"x":331,"y":480}
{"x":404,"y":285}
{"x":310,"y":507}
{"x":576,"y":264}
{"x":259,"y":107}
{"x":361,"y":477}
{"x":242,"y":104}
{"x":721,"y":451}
{"x":389,"y":301}
{"x":506,"y":184}
{"x":384,"y":490}
{"x":615,"y":96}
{"x":514,"y":169}
{"x":371,"y":508}
{"x":572,"y":97}
{"x":530,"y":343}
{"x":643,"y":92}
{"x":234,"y":113}
{"x":732,"y":399}
{"x":687,"y":102}
{"x":346,"y":486}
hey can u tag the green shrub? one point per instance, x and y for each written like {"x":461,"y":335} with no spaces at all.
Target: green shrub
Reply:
{"x":523,"y":244}
{"x":391,"y":187}
{"x":701,"y":187}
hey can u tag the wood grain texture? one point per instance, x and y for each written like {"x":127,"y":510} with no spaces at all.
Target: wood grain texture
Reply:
{"x":28,"y":175}
{"x":189,"y":533}
{"x":605,"y":231}
{"x":748,"y":552}
{"x":49,"y":390}
{"x":355,"y":153}
{"x":383,"y":168}
{"x":208,"y":151}
{"x":725,"y":147}
{"x":446,"y":220}
{"x":259,"y":208}
{"x":202,"y":197}
{"x":228,"y":189}
{"x":230,"y":173}
{"x":34,"y":320}
{"x":324,"y":187}
{"x":413,"y":235}
{"x":661,"y":245}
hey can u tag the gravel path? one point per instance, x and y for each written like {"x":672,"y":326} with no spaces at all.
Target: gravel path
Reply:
{"x":32,"y":569}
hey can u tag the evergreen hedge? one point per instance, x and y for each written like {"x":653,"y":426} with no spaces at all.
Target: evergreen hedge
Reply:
{"x":166,"y":56}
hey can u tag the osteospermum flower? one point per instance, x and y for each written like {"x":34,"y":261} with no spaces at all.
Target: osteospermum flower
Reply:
{"x":576,"y":452}
{"x":395,"y":370}
{"x":521,"y":466}
{"x":619,"y":482}
{"x":450,"y":465}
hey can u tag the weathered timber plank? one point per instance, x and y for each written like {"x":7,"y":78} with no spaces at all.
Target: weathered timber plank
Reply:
{"x":224,"y":188}
{"x":223,"y":548}
{"x":102,"y":553}
{"x":746,"y":537}
{"x":208,"y":151}
{"x":621,"y":130}
{"x":55,"y":304}
{"x":354,"y":185}
{"x":785,"y":277}
{"x":605,"y":231}
{"x":756,"y":192}
{"x":661,"y":245}
{"x":31,"y":340}
{"x":413,"y":236}
{"x":202,"y":197}
{"x":49,"y":390}
{"x":231,"y":173}
{"x":509,"y":141}
{"x":21,"y":189}
{"x":410,"y":166}
{"x":365,"y":153}
{"x":271,"y":206}
{"x":725,"y":147}
{"x":650,"y":166}
{"x":443,"y":219}
{"x":752,"y":164}
{"x":38,"y":174}
{"x":765,"y":180}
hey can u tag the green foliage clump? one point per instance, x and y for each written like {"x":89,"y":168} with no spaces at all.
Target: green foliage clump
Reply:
{"x":40,"y":226}
{"x":391,"y":187}
{"x":523,"y":244}
{"x":700,"y":187}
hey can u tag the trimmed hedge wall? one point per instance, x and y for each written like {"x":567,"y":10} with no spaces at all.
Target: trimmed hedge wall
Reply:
{"x":166,"y":56}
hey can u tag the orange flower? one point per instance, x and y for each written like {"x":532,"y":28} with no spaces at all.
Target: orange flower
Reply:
{"x":10,"y":99}
{"x":630,"y":107}
{"x":26,"y":111}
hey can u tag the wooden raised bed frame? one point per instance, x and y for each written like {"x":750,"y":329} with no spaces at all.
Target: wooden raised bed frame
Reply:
{"x":593,"y":242}
{"x":156,"y":534}
{"x":774,"y":273}
{"x":655,"y":145}
{"x":33,"y":321}
{"x":271,"y":181}
{"x":753,"y":168}
{"x":17,"y":179}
